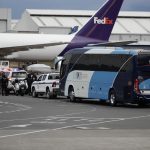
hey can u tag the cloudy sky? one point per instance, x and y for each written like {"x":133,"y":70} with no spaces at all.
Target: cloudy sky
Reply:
{"x":18,"y":6}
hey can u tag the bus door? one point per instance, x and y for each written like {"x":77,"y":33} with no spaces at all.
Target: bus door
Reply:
{"x":142,"y":83}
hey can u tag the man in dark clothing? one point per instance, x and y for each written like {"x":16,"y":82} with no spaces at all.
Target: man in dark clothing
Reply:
{"x":4,"y":84}
{"x":29,"y":82}
{"x":34,"y":77}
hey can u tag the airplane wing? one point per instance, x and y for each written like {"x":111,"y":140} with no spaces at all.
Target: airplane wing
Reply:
{"x":116,"y":44}
{"x":8,"y":50}
{"x":10,"y":42}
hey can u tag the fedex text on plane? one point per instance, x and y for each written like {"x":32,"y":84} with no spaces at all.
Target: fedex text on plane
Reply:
{"x":106,"y":20}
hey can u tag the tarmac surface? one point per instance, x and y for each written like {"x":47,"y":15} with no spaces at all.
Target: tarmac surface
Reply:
{"x":28,"y":123}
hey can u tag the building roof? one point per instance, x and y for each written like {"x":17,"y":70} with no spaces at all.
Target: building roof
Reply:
{"x":55,"y":12}
{"x":127,"y":22}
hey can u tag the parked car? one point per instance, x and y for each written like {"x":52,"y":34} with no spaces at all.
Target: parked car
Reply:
{"x":46,"y":84}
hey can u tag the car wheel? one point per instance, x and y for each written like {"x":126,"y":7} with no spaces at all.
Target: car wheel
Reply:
{"x":34,"y":94}
{"x":112,"y":98}
{"x":72,"y":95}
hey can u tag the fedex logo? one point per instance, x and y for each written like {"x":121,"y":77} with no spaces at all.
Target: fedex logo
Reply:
{"x":106,"y":20}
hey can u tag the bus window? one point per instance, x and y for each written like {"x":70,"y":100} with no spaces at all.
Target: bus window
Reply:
{"x":143,"y":60}
{"x":63,"y":68}
{"x":64,"y":65}
{"x":128,"y":65}
{"x":73,"y":61}
{"x":112,"y":62}
{"x":143,"y":67}
{"x":88,"y":62}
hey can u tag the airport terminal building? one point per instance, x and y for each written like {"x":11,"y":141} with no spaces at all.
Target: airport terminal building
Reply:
{"x":129,"y":25}
{"x":5,"y":19}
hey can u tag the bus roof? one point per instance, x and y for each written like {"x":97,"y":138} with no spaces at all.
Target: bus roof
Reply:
{"x":108,"y":50}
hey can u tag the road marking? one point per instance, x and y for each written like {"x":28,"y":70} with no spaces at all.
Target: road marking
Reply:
{"x":78,"y":113}
{"x":64,"y":119}
{"x":87,"y":124}
{"x":20,"y":126}
{"x":95,"y":120}
{"x":16,"y":126}
{"x":66,"y":127}
{"x":88,"y":128}
{"x":103,"y":128}
{"x":83,"y":128}
{"x":55,"y":117}
{"x":46,"y":122}
{"x":108,"y":121}
{"x":49,"y":119}
{"x":21,"y":107}
{"x":84,"y":119}
{"x":25,"y":133}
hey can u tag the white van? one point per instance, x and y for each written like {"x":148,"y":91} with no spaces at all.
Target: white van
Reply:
{"x":12,"y":75}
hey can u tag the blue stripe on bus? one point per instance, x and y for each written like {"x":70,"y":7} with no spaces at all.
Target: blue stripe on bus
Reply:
{"x":100,"y":84}
{"x":127,"y":52}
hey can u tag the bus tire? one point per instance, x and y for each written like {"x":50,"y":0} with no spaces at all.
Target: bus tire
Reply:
{"x":141,"y":104}
{"x":71,"y":94}
{"x":112,"y":98}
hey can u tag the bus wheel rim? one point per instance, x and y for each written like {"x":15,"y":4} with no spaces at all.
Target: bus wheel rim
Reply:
{"x":72,"y":95}
{"x":112,"y":98}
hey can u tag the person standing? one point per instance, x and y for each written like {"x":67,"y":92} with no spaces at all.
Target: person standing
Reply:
{"x":29,"y":82}
{"x":34,"y":77}
{"x":4,"y":84}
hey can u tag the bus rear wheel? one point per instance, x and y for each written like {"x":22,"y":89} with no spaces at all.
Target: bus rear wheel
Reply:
{"x":71,"y":95}
{"x":112,"y":98}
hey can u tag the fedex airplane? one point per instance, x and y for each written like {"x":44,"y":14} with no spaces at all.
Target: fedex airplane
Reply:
{"x":47,"y":47}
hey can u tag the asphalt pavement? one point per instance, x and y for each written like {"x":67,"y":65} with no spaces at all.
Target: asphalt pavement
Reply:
{"x":28,"y":123}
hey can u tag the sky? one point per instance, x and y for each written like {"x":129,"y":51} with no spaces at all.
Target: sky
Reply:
{"x":18,"y":6}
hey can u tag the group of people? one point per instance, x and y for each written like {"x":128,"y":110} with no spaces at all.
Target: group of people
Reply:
{"x":4,"y":83}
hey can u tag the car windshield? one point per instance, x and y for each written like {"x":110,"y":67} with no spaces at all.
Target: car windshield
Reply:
{"x":19,"y":74}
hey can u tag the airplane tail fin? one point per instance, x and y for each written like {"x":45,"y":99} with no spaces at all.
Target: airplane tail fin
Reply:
{"x":99,"y":27}
{"x":101,"y":24}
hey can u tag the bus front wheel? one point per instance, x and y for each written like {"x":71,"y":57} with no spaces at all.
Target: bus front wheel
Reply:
{"x":71,"y":95}
{"x":112,"y":98}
